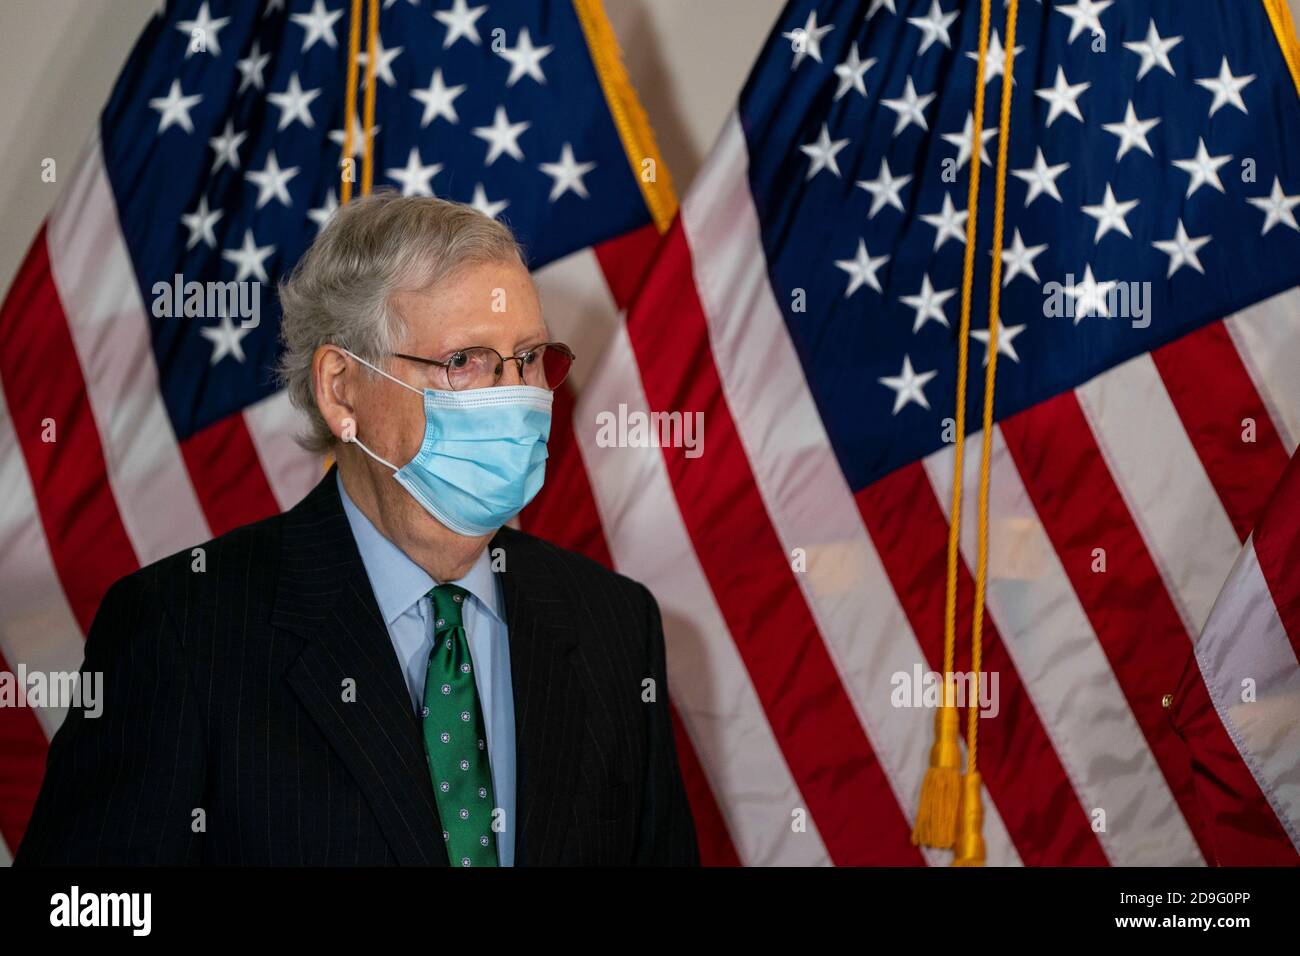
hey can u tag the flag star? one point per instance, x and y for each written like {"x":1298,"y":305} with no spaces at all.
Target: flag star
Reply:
{"x":885,"y":190}
{"x":965,"y":139}
{"x":852,"y":71}
{"x":251,"y":67}
{"x":1086,"y":15}
{"x":1063,"y":97}
{"x":200,"y":223}
{"x":524,"y":58}
{"x":908,"y":386}
{"x":271,"y":7}
{"x":1006,"y":338}
{"x":1279,"y":208}
{"x":861,"y":269}
{"x":323,"y":213}
{"x":459,"y":21}
{"x":225,"y":339}
{"x":1203,"y":168}
{"x":934,"y":26}
{"x":227,"y":146}
{"x":1227,"y":88}
{"x":249,"y":258}
{"x":415,"y":177}
{"x":1132,"y":132}
{"x":928,"y":304}
{"x":822,"y":153}
{"x":567,"y":173}
{"x":947,"y":222}
{"x":439,"y":100}
{"x":174,"y":108}
{"x":502,"y":136}
{"x":294,"y":104}
{"x":272,"y":181}
{"x":1041,"y":178}
{"x":1019,"y":260}
{"x":383,"y":62}
{"x":807,"y":40}
{"x":910,"y":108}
{"x":1090,"y":296}
{"x":879,"y":5}
{"x":318,"y":24}
{"x":995,"y":57}
{"x":1110,"y":214}
{"x":206,"y":28}
{"x":1182,"y":250}
{"x":1154,"y":51}
{"x":358,"y":136}
{"x":486,"y":206}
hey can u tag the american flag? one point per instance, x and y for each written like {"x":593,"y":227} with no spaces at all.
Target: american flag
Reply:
{"x":1147,"y":402}
{"x":804,"y":302}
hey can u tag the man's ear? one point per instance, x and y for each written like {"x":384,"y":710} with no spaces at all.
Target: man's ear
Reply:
{"x":333,"y":383}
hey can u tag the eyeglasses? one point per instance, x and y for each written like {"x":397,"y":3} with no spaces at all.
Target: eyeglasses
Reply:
{"x":545,"y":366}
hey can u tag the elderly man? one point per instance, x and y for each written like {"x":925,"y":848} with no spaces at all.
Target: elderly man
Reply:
{"x":386,"y":673}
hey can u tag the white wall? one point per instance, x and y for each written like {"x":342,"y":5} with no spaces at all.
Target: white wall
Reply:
{"x":58,"y":60}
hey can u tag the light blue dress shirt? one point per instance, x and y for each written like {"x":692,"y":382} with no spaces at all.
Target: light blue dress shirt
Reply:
{"x":401,"y":590}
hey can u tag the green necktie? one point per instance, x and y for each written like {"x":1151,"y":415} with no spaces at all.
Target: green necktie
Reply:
{"x":454,"y":739}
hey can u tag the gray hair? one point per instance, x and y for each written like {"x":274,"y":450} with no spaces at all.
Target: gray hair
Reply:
{"x":374,"y":247}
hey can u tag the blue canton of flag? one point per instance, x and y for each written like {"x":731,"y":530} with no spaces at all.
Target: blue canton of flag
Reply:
{"x":224,"y":135}
{"x":1152,"y":188}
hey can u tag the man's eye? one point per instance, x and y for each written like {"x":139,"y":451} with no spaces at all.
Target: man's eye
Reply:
{"x":458,"y":360}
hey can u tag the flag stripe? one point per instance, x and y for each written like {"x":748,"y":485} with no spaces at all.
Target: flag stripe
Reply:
{"x":274,"y":426}
{"x":24,"y":746}
{"x":106,"y":318}
{"x":1021,"y":771}
{"x":1213,"y":395}
{"x":1125,"y":599}
{"x":716,"y":696}
{"x":1266,"y":336}
{"x":1161,"y":478}
{"x":43,"y":384}
{"x":1068,"y":678}
{"x":227,"y":474}
{"x":1245,"y":640}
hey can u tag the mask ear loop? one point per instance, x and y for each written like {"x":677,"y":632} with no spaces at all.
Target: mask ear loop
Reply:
{"x":349,"y":425}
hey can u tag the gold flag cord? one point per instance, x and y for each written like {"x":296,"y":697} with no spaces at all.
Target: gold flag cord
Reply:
{"x":346,"y":176}
{"x":950,"y":814}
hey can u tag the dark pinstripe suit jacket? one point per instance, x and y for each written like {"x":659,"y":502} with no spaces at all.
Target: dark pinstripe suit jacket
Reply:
{"x":224,"y":703}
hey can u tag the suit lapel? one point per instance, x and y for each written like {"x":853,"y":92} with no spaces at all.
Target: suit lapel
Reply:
{"x":548,"y":698}
{"x":323,"y":595}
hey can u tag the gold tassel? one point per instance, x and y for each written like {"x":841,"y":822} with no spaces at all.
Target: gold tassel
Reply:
{"x":936,"y":817}
{"x":969,"y":850}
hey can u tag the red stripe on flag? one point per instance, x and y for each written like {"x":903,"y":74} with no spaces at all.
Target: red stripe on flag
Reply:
{"x":1021,"y":770}
{"x":1131,"y":612}
{"x":23,"y":743}
{"x":1277,"y":548}
{"x":624,"y":260}
{"x":43,"y":384}
{"x":1213,"y":394}
{"x":813,"y":720}
{"x":227,"y":475}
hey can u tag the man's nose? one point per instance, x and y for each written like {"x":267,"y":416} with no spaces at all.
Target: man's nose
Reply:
{"x":512,"y":374}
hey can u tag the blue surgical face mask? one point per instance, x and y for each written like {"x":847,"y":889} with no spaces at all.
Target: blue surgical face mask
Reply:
{"x":483,"y":457}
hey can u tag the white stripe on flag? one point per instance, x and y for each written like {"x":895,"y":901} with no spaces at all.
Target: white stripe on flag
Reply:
{"x":6,"y":859}
{"x":1064,"y":669}
{"x":579,"y":310}
{"x":1268,"y":337}
{"x":649,"y":542}
{"x":1245,"y":640}
{"x":37,"y":627}
{"x":292,"y":471}
{"x":1164,"y":484}
{"x":106,"y":316}
{"x":811,"y":506}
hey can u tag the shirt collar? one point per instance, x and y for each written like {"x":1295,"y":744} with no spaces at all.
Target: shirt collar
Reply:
{"x":398,"y":582}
